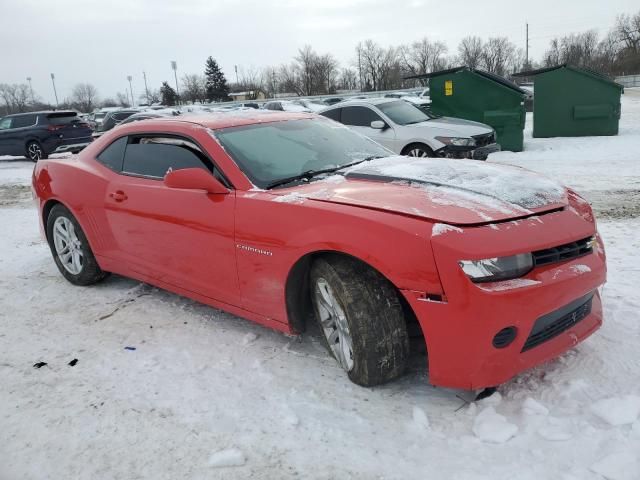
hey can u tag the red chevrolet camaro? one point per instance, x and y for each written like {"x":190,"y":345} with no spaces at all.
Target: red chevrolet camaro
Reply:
{"x":275,"y":216}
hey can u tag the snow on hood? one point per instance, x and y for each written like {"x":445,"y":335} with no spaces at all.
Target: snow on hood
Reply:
{"x":457,"y":192}
{"x":518,"y":187}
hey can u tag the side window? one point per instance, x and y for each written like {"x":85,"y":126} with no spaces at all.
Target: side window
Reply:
{"x":23,"y":121}
{"x":5,"y":123}
{"x":334,"y":114}
{"x":359,"y":116}
{"x":153,"y":156}
{"x":113,"y":155}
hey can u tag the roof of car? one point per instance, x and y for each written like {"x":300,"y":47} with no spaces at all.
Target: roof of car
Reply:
{"x":236,"y":118}
{"x":371,"y":101}
{"x":43,"y":112}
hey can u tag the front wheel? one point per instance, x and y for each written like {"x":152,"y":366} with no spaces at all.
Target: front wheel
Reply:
{"x":34,"y":151}
{"x":361,"y":319}
{"x":70,"y":248}
{"x":418,"y":150}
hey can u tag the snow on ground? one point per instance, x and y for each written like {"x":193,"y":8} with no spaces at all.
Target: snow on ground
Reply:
{"x":166,"y":388}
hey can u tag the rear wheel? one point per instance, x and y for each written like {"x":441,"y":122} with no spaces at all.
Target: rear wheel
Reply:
{"x":70,"y":248}
{"x":418,"y":150}
{"x":361,"y":319}
{"x":34,"y":151}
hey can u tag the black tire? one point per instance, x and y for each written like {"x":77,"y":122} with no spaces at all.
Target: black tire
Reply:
{"x":35,"y":152}
{"x":425,"y":150}
{"x":90,"y":272}
{"x":374,"y":314}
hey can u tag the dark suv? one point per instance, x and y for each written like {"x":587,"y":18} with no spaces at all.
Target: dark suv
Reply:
{"x":36,"y":135}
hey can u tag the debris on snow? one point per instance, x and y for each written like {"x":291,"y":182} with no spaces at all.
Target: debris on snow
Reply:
{"x":618,"y":410}
{"x":249,"y":338}
{"x":231,"y":457}
{"x":73,"y":362}
{"x":491,"y":427}
{"x":39,"y":364}
{"x":130,"y":348}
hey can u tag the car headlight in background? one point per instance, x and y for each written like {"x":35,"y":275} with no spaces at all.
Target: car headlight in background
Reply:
{"x":457,"y":141}
{"x":496,"y":269}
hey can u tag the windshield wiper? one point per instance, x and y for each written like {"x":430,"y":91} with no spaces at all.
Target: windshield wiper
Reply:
{"x":308,"y":174}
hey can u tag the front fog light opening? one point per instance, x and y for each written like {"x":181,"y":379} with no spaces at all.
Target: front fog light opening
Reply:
{"x":497,"y":268}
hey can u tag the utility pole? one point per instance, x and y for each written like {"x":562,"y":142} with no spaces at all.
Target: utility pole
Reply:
{"x":174,"y":66}
{"x":33,"y":100}
{"x":526,"y":48}
{"x":359,"y":68}
{"x":53,"y":81}
{"x":146,"y":89}
{"x":236,"y":68}
{"x":133,"y":103}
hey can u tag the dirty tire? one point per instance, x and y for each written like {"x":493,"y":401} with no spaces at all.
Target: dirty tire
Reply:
{"x":35,"y":152}
{"x":374,"y":314}
{"x":90,"y":272}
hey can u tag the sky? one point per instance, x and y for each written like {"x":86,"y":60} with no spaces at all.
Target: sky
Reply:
{"x":102,"y":42}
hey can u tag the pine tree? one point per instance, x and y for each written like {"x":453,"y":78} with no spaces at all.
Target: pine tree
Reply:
{"x":217,"y":88}
{"x":168,"y":94}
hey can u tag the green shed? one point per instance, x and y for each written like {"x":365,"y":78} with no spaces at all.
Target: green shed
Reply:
{"x":574,"y":102}
{"x":477,"y":95}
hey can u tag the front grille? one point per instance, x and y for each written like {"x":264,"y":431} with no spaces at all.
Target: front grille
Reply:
{"x":564,"y":252}
{"x":554,"y":323}
{"x":484,"y":139}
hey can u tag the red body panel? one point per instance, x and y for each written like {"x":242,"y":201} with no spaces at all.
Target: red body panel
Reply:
{"x":236,"y":251}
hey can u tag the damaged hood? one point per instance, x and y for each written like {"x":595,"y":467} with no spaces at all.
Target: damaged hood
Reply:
{"x":459,"y":192}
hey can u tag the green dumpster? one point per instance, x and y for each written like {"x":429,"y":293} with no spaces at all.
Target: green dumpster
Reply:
{"x":474,"y":94}
{"x":574,"y":102}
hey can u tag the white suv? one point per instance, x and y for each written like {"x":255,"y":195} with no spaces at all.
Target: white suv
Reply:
{"x":409,"y":130}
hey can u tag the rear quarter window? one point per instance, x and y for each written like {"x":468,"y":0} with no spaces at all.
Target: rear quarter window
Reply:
{"x":62,"y":119}
{"x":113,"y":156}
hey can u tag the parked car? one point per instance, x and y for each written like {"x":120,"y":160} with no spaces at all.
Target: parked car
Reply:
{"x":36,"y":135}
{"x":332,"y":100}
{"x":311,"y":104}
{"x":96,"y":117}
{"x":285,"y":106}
{"x":499,"y":267}
{"x":408,"y":130}
{"x":136,"y":117}
{"x":113,"y":118}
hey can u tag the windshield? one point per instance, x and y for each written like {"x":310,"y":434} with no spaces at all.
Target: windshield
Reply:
{"x":403,"y":113}
{"x":100,"y":115}
{"x":273,"y":151}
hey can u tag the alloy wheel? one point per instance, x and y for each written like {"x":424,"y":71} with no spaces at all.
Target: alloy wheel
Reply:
{"x":418,"y":152}
{"x":334,"y":324}
{"x":34,"y":151}
{"x":68,"y":245}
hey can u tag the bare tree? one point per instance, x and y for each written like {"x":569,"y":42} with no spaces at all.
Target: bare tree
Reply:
{"x":470,"y":51}
{"x":423,"y":56}
{"x":498,"y":55}
{"x":348,"y":79}
{"x":270,"y":80}
{"x":250,"y":80}
{"x":123,"y":100}
{"x":16,"y":97}
{"x":194,"y":88}
{"x":85,"y":96}
{"x":326,"y":71}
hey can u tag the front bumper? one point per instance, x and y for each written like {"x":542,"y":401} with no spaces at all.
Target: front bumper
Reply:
{"x":460,"y":329}
{"x":475,"y":153}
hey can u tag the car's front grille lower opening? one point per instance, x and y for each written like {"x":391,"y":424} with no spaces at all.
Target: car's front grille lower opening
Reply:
{"x":553,"y":324}
{"x":561,"y":253}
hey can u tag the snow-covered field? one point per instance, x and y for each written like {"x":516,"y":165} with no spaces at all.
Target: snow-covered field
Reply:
{"x":206,"y":395}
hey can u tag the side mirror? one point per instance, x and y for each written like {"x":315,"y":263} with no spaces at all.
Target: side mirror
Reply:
{"x":194,"y":179}
{"x":378,"y":124}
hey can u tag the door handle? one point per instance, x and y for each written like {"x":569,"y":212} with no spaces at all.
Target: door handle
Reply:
{"x":118,"y":196}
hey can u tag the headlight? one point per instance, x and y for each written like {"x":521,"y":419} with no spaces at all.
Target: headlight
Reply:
{"x":500,"y":268}
{"x":457,"y":141}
